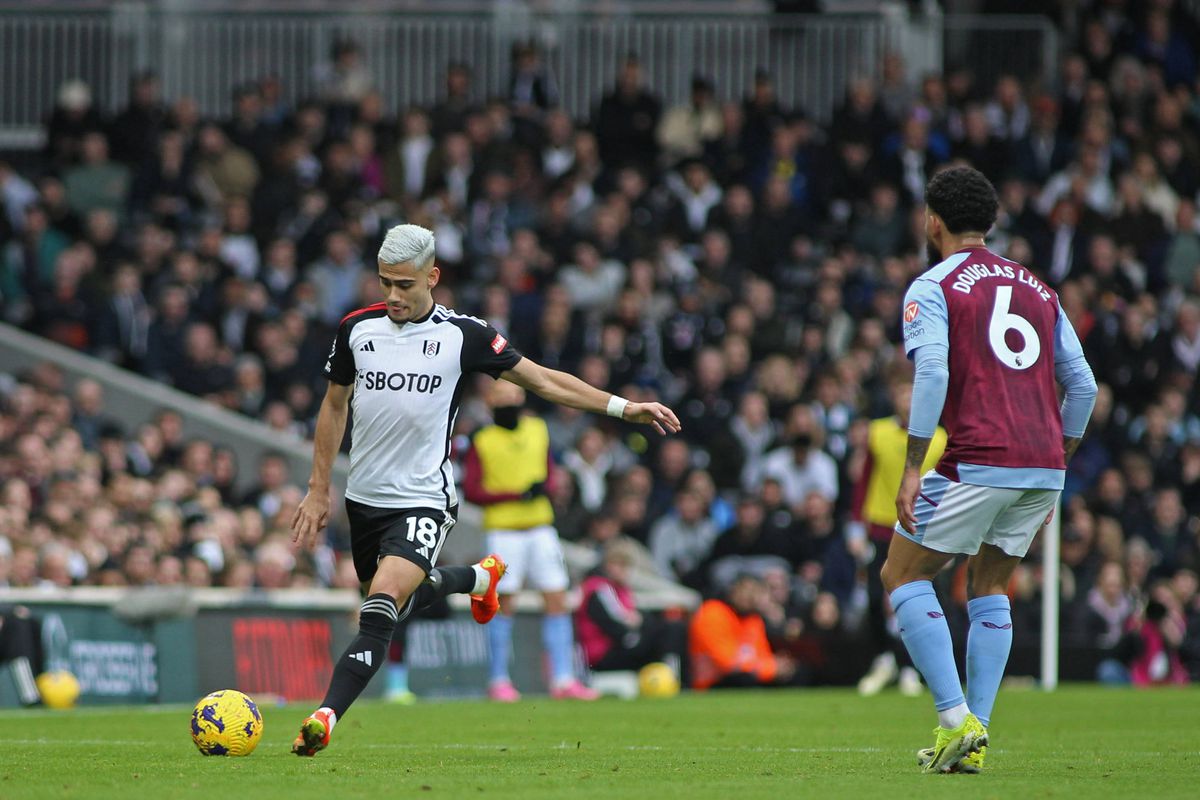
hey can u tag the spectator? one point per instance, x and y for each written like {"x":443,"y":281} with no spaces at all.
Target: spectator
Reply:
{"x":689,"y":130}
{"x":728,"y":645}
{"x":627,"y":119}
{"x":1044,"y":150}
{"x":755,"y":433}
{"x":343,"y":81}
{"x":1160,"y":629}
{"x":247,"y":129}
{"x":335,"y":277}
{"x":73,"y":117}
{"x":203,"y":370}
{"x":532,"y":90}
{"x":680,"y":542}
{"x":1007,"y":112}
{"x":97,"y":183}
{"x":449,"y":115}
{"x":134,"y":132}
{"x":223,"y":170}
{"x":592,"y":283}
{"x":405,"y":169}
{"x":801,"y":468}
{"x":613,"y":633}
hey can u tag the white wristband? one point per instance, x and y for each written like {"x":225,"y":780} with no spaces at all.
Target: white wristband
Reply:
{"x":616,"y":406}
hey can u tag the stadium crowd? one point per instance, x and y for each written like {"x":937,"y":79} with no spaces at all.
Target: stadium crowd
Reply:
{"x":738,"y":260}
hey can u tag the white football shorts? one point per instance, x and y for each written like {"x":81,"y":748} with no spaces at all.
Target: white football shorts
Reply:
{"x":534,"y":558}
{"x":960,"y":517}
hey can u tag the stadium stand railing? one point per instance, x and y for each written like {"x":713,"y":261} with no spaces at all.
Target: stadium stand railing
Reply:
{"x":201,"y":51}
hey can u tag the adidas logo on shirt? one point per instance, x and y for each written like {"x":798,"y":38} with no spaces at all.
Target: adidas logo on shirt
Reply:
{"x":364,"y":657}
{"x":368,"y":346}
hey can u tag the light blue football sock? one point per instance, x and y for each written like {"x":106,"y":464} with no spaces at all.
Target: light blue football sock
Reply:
{"x":499,"y":634}
{"x":988,"y":645}
{"x":927,"y":637}
{"x":397,"y":678}
{"x":558,"y":637}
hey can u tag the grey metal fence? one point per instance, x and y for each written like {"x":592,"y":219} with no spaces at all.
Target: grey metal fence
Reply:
{"x":1002,"y":44}
{"x":203,"y":54}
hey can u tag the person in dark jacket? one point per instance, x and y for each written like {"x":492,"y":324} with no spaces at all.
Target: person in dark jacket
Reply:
{"x":613,"y":633}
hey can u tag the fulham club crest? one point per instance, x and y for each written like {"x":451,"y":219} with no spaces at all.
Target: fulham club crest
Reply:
{"x":432,"y":348}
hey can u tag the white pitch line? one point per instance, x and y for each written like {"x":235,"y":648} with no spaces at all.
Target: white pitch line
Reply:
{"x":90,"y":711}
{"x":534,"y":748}
{"x":474,"y":747}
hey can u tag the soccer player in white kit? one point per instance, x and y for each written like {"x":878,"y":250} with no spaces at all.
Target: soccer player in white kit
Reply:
{"x":399,"y":366}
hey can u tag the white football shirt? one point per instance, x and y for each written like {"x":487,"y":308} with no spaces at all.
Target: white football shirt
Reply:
{"x":407,"y":386}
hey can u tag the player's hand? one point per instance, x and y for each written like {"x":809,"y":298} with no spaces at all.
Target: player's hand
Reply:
{"x":310,"y":518}
{"x":1048,"y":519}
{"x":659,"y":416}
{"x":906,"y":500}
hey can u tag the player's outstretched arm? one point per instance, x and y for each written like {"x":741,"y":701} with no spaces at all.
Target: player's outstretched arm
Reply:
{"x":313,"y":512}
{"x":565,"y":389}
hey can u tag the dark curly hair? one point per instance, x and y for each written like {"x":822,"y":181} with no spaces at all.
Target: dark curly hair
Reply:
{"x":964,"y":199}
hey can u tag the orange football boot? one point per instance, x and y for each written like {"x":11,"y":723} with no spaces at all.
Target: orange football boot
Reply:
{"x":484,"y":607}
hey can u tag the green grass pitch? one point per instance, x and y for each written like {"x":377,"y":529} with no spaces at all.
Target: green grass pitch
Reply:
{"x":1079,"y":742}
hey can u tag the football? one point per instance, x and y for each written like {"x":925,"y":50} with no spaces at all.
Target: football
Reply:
{"x":58,"y":689}
{"x":658,"y":680}
{"x":226,"y":723}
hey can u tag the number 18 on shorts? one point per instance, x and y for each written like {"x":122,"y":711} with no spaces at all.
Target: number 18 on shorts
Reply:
{"x":414,"y":534}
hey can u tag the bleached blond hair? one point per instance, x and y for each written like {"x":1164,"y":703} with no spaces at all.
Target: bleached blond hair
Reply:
{"x":408,"y":244}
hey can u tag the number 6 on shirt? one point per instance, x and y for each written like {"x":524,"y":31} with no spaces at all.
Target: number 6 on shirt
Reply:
{"x":1002,"y":322}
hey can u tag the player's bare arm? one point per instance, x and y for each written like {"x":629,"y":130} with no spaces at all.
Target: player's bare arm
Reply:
{"x":910,"y":484}
{"x":1070,"y":445}
{"x":313,"y":512}
{"x":568,"y":390}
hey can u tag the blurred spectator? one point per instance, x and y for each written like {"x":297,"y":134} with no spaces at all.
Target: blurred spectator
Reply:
{"x":801,"y":468}
{"x":134,"y":132}
{"x":342,"y":82}
{"x":614,"y":635}
{"x":1159,"y":629}
{"x":682,"y":540}
{"x":728,"y":644}
{"x":627,"y":118}
{"x":688,"y":131}
{"x":97,"y":183}
{"x":73,"y":116}
{"x":1044,"y":150}
{"x":450,"y":113}
{"x":223,"y":170}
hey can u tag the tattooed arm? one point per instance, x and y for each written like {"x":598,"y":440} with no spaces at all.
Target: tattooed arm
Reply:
{"x":929,"y":396}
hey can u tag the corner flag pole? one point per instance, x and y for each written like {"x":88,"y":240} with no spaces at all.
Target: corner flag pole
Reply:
{"x":1050,"y":575}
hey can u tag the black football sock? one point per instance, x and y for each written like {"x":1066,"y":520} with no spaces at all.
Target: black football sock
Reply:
{"x":442,"y":581}
{"x":365,"y":655}
{"x":454,"y":580}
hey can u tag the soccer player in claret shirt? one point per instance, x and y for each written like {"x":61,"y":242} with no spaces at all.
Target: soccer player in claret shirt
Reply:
{"x":990,"y":342}
{"x":405,"y":361}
